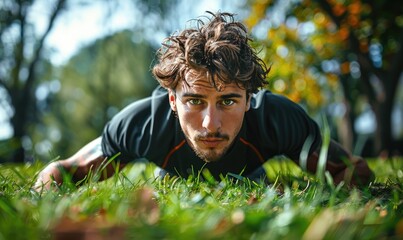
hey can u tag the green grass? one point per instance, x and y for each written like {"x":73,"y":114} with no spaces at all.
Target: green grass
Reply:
{"x":135,"y":205}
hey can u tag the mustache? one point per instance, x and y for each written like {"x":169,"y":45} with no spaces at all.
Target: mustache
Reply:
{"x":212,"y":135}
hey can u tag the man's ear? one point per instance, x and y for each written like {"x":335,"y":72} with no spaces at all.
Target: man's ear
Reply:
{"x":172,"y":99}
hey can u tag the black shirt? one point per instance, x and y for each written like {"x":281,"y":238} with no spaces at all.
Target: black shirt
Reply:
{"x":148,"y":129}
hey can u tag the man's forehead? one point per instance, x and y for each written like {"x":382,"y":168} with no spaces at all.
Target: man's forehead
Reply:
{"x":201,"y":79}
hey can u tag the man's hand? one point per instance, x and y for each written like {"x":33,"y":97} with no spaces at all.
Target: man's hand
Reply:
{"x":357,"y":174}
{"x":354,"y":171}
{"x":51,"y":174}
{"x":89,"y":158}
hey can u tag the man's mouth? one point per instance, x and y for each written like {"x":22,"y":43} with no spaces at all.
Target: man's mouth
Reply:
{"x":211,"y":142}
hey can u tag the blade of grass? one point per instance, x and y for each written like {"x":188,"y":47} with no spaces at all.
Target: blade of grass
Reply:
{"x":320,"y":171}
{"x":303,"y":157}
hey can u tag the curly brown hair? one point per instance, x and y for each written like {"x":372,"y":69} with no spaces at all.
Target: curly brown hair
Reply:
{"x":219,"y":46}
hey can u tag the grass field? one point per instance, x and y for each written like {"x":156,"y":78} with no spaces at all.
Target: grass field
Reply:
{"x":135,"y":205}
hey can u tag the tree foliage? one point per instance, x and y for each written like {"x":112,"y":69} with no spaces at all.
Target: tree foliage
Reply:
{"x":318,"y":47}
{"x":96,"y":83}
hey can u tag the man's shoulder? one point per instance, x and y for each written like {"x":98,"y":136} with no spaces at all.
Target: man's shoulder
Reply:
{"x":139,"y":128}
{"x":280,"y":124}
{"x":271,"y":108}
{"x":143,"y":117}
{"x":266,"y":99}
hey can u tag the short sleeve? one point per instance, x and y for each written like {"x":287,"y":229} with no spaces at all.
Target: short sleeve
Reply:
{"x":126,"y":134}
{"x":139,"y":129}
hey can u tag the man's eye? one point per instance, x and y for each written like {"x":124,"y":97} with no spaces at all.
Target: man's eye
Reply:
{"x":227,"y":102}
{"x":195,"y":101}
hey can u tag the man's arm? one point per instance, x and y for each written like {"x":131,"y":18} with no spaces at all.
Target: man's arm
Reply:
{"x":89,"y":158}
{"x":343,"y":166}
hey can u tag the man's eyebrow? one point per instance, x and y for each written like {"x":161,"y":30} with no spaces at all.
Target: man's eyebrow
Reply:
{"x":224,"y":96}
{"x":231,"y":95}
{"x":193,"y":95}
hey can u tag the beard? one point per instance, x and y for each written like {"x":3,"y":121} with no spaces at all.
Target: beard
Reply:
{"x":209,"y":154}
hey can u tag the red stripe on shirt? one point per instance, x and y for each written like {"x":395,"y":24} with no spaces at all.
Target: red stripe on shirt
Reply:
{"x":261,"y":159}
{"x":176,"y":148}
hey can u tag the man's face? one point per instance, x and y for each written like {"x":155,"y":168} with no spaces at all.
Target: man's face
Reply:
{"x":210,"y":119}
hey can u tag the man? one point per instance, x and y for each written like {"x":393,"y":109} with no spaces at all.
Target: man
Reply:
{"x":209,"y":113}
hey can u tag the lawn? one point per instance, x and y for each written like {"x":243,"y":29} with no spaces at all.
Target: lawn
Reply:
{"x":135,"y":205}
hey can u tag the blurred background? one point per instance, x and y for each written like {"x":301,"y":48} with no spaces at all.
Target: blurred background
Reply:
{"x":66,"y":67}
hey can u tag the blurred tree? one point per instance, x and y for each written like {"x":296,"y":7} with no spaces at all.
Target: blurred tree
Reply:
{"x":95,"y":84}
{"x":317,"y":46}
{"x":20,"y":59}
{"x":160,"y":16}
{"x":27,"y":81}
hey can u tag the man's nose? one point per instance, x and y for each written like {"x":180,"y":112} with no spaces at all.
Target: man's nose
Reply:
{"x":211,"y":119}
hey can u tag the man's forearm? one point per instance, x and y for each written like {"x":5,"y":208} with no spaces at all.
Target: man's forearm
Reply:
{"x":89,"y":158}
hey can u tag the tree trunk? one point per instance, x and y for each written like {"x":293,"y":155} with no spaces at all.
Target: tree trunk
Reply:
{"x":19,"y":123}
{"x":346,"y":129}
{"x":21,"y":91}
